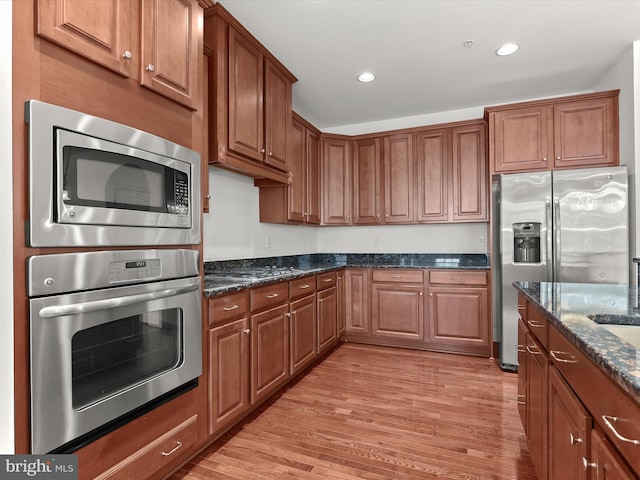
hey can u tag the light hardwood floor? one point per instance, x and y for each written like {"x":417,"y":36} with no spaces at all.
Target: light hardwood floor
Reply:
{"x":379,"y":413}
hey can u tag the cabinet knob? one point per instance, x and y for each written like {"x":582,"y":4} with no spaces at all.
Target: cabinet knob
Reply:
{"x":262,"y":150}
{"x":586,"y":464}
{"x":573,"y":439}
{"x":544,"y":159}
{"x":557,"y":158}
{"x":150,"y":67}
{"x":269,"y":154}
{"x":247,"y":331}
{"x":127,"y":55}
{"x":208,"y":197}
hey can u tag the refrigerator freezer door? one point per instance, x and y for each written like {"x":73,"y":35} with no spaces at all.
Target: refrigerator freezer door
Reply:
{"x":591,"y":232}
{"x":524,"y":199}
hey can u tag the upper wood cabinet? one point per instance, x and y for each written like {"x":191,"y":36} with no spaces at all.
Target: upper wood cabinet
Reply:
{"x":399,"y":182}
{"x":366,"y":181}
{"x":162,"y":50}
{"x":336,"y":181}
{"x":452,"y":174}
{"x":298,"y":202}
{"x":568,"y":132}
{"x":250,"y":96}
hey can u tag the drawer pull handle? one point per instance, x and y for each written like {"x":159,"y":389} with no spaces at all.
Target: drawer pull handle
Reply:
{"x":456,"y":278}
{"x":533,"y":350}
{"x":328,"y":280}
{"x":556,"y":356}
{"x":273,"y":295}
{"x":173,"y":450}
{"x":521,"y":349}
{"x":608,"y":419}
{"x":573,"y":439}
{"x":586,"y":464}
{"x":535,"y":324}
{"x":521,"y":307}
{"x":304,"y":287}
{"x":396,"y":276}
{"x":228,"y":309}
{"x":520,"y":402}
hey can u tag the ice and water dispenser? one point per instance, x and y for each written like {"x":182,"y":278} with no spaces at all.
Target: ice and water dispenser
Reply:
{"x":526,"y":242}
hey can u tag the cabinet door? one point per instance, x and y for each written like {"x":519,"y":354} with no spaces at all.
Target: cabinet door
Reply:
{"x":99,"y":31}
{"x":303,"y":332}
{"x":340,"y":284}
{"x":277,"y":116}
{"x":522,"y":374}
{"x":459,"y":316}
{"x":297,"y":165}
{"x":397,"y":311}
{"x":433,"y":159}
{"x":269,"y":352}
{"x":523,"y":139}
{"x":327,"y":319}
{"x":366,"y":181}
{"x":357,"y":301}
{"x":606,"y":462}
{"x":569,"y":426}
{"x":336,"y":181}
{"x":469,"y":174}
{"x":312,"y":213}
{"x":537,"y":407}
{"x":246,"y":97}
{"x":228,"y":373}
{"x":399,"y":181}
{"x":584,"y":133}
{"x":171,"y":50}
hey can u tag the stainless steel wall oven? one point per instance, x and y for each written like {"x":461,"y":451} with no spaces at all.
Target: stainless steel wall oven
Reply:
{"x":113,"y":334}
{"x":94,"y":182}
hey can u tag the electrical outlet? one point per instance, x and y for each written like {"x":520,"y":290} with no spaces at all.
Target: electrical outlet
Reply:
{"x":376,"y":241}
{"x":267,"y":241}
{"x":481,"y":241}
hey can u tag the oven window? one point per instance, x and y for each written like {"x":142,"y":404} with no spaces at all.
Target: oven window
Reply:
{"x":99,"y":178}
{"x":113,"y":356}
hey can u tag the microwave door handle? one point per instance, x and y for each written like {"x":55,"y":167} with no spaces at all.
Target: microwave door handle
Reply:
{"x":109,"y":303}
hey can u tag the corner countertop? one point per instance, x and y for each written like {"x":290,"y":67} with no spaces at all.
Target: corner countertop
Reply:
{"x":319,"y":263}
{"x":568,"y":306}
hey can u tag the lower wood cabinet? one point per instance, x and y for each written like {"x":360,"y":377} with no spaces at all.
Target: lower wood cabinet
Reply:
{"x":397,"y":304}
{"x":357,"y":300}
{"x":537,"y":407}
{"x":269,"y":352}
{"x":228,"y":373}
{"x":605,"y":463}
{"x":303,"y":332}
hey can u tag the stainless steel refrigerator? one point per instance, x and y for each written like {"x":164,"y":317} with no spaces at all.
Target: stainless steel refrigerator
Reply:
{"x":556,"y":226}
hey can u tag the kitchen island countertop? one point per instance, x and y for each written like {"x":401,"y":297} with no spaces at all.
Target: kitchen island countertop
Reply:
{"x":319,"y":263}
{"x":569,"y":306}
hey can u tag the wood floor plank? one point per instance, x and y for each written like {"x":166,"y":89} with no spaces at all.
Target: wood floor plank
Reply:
{"x":379,"y":413}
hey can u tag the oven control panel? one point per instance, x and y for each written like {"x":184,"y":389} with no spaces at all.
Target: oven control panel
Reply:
{"x":128,"y":270}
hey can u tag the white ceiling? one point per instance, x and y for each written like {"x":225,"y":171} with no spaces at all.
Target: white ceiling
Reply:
{"x":415,"y":48}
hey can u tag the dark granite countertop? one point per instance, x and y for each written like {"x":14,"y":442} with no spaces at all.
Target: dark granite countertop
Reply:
{"x":318,"y":263}
{"x":611,"y":337}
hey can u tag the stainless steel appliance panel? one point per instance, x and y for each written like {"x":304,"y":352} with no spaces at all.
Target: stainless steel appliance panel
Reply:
{"x":590,"y":225}
{"x":523,"y":198}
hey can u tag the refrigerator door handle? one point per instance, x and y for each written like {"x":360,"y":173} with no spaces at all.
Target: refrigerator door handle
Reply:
{"x":549,"y":254}
{"x":556,"y":239}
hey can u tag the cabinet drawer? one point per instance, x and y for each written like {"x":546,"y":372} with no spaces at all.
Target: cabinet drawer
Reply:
{"x":397,"y":275}
{"x":538,"y":325}
{"x":615,"y":413}
{"x":302,"y":287}
{"x":326,"y":280}
{"x":269,"y":296}
{"x":228,"y":307}
{"x":457,"y":277}
{"x":155,"y":456}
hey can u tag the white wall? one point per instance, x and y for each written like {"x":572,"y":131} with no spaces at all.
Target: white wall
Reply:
{"x":625,"y":75}
{"x":6,"y":245}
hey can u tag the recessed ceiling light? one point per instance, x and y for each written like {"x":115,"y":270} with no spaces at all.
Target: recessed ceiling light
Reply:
{"x":507,"y":49}
{"x":366,"y":77}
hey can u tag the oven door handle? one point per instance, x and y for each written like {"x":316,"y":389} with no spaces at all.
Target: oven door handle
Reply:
{"x":109,"y":303}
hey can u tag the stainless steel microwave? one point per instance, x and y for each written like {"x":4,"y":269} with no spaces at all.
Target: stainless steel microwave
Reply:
{"x":94,"y":182}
